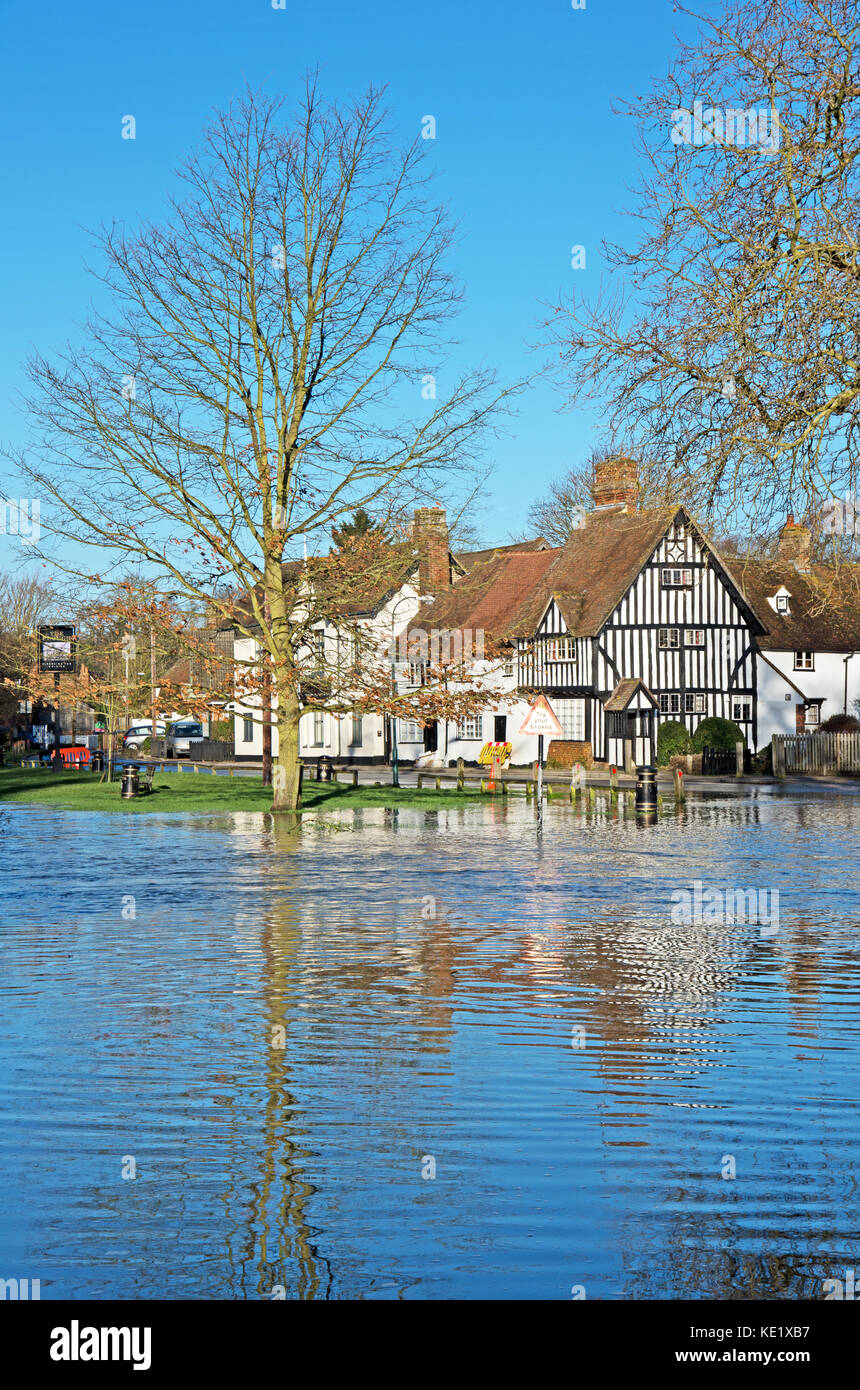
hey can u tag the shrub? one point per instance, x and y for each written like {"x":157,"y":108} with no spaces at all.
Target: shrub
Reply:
{"x":717,"y":733}
{"x":222,"y":730}
{"x":841,"y":724}
{"x":672,"y":738}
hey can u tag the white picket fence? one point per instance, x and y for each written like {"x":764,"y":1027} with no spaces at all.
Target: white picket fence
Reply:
{"x":815,"y":753}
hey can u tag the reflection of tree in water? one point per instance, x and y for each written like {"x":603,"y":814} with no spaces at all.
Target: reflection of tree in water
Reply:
{"x":275,"y":1246}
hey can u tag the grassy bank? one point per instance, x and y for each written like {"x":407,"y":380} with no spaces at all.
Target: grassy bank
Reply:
{"x":189,"y":791}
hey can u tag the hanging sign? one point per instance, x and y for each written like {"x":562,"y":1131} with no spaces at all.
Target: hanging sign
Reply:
{"x":57,"y":647}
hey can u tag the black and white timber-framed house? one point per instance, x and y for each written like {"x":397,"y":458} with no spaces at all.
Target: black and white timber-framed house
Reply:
{"x":634,"y":621}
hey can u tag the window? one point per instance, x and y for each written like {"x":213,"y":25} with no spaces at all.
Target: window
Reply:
{"x":694,"y":637}
{"x":668,"y":637}
{"x":571,"y":717}
{"x":248,"y":728}
{"x":559,"y":649}
{"x":694,"y":704}
{"x":408,"y":731}
{"x":677,"y":579}
{"x":417,"y":672}
{"x":804,"y":661}
{"x":319,"y":646}
{"x":509,"y":666}
{"x":670,"y":704}
{"x":471,"y":727}
{"x":811,"y":715}
{"x":741,"y":711}
{"x":782,"y":603}
{"x":355,"y":737}
{"x":319,"y":730}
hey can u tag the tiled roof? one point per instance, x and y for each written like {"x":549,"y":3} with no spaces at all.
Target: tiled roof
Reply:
{"x":624,"y":692}
{"x":824,"y":607}
{"x":469,"y":558}
{"x":491,"y":596}
{"x":507,"y":595}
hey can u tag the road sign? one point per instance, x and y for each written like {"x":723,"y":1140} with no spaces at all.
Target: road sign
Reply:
{"x":541,"y":720}
{"x":57,"y":647}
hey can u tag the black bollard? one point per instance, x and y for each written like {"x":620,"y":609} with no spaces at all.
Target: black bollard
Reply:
{"x":646,"y":788}
{"x":130,"y":781}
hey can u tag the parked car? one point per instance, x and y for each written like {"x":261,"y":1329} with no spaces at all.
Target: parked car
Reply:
{"x":180,"y":737}
{"x":140,"y":731}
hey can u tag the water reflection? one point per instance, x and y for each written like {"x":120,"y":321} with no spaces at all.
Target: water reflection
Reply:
{"x":297,"y":1018}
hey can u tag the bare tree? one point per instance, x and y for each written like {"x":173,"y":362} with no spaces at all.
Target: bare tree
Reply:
{"x":728,"y":347}
{"x":264,"y":374}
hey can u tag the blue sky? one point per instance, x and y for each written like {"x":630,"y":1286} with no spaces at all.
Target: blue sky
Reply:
{"x":530,"y":157}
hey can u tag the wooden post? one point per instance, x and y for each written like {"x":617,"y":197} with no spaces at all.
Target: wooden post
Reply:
{"x":504,"y":786}
{"x":301,"y":781}
{"x":334,"y":774}
{"x":438,"y":785}
{"x":778,"y":748}
{"x":739,"y":760}
{"x":355,"y":776}
{"x":549,"y":791}
{"x":420,"y":780}
{"x":680,"y":795}
{"x":460,"y":774}
{"x":528,"y":790}
{"x":613,"y":783}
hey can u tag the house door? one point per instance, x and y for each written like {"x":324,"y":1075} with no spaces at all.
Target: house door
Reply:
{"x":431,"y":738}
{"x":640,"y":732}
{"x":500,"y":728}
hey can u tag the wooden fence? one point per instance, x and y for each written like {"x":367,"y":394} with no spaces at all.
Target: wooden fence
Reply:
{"x":815,"y":753}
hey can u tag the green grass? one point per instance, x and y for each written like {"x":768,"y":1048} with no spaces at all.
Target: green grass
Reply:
{"x":190,"y":791}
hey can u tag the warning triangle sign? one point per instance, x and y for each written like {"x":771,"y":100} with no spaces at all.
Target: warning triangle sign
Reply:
{"x":541,"y":719}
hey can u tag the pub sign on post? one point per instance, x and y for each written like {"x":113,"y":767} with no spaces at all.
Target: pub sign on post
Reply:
{"x":57,"y":647}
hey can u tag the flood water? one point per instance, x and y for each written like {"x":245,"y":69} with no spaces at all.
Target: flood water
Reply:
{"x":430,"y":1054}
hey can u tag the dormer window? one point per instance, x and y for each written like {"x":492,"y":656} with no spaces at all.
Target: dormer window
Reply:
{"x":780,"y":602}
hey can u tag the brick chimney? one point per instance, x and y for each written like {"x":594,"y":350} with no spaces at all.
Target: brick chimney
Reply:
{"x":794,"y":545}
{"x":430,"y":539}
{"x":616,"y":483}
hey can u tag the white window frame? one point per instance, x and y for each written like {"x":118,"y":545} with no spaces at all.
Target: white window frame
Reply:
{"x":319,"y":729}
{"x":804,"y":661}
{"x":419,"y":669}
{"x":694,"y":703}
{"x":408,"y":731}
{"x":247,"y":723}
{"x":781,"y":602}
{"x":694,"y":637}
{"x":741,"y":704}
{"x":357,"y":727}
{"x":674,"y":578}
{"x":815,"y":711}
{"x":671,"y":703}
{"x":559,"y":649}
{"x":668,"y":639}
{"x":471,"y":727}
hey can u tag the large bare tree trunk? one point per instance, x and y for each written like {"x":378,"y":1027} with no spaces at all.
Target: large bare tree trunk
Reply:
{"x":286,"y":774}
